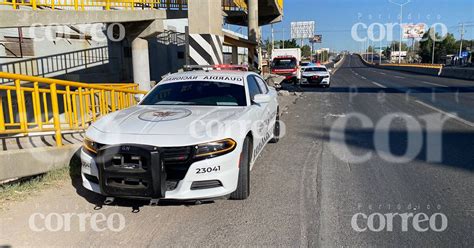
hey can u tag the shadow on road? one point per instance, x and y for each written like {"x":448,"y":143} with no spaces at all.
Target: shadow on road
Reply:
{"x":397,"y":90}
{"x":454,"y":146}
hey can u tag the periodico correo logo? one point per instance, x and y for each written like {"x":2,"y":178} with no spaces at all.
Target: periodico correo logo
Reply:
{"x":404,"y":222}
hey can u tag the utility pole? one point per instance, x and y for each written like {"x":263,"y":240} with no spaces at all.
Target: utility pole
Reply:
{"x":433,"y":50}
{"x":283,"y":38}
{"x":380,"y":55}
{"x":401,"y":28}
{"x":372,"y":52}
{"x":367,"y":50}
{"x":273,"y":39}
{"x":462,"y":37}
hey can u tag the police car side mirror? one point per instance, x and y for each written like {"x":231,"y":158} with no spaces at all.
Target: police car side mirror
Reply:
{"x":139,"y":97}
{"x":261,"y":98}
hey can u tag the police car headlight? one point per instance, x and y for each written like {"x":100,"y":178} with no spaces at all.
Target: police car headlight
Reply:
{"x":90,"y":145}
{"x":214,"y":149}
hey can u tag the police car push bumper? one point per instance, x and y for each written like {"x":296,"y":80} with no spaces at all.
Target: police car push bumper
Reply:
{"x":223,"y":169}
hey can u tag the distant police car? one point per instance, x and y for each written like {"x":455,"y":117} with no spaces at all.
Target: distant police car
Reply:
{"x":317,"y":75}
{"x":195,"y":135}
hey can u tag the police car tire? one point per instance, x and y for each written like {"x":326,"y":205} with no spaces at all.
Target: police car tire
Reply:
{"x":276,"y":129}
{"x":243,"y":187}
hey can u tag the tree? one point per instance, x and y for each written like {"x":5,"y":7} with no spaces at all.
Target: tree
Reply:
{"x":306,"y":51}
{"x":447,"y":46}
{"x":387,"y":52}
{"x":267,"y":45}
{"x":395,"y":44}
{"x":426,"y":46}
{"x":288,"y":44}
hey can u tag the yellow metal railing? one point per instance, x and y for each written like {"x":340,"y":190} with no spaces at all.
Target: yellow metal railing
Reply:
{"x":234,"y":5}
{"x":228,"y":5}
{"x":280,"y":4}
{"x":106,"y":4}
{"x":35,"y":104}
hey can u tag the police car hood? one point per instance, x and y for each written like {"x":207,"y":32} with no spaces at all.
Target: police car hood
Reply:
{"x":166,"y":120}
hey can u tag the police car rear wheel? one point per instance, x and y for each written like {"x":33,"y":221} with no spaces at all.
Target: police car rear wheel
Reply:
{"x":243,"y":187}
{"x":276,"y":129}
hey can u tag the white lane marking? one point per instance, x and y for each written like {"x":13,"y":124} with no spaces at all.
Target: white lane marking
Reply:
{"x":363,"y":77}
{"x":451,"y":115}
{"x":335,"y":115}
{"x":383,"y":73}
{"x":379,"y":85}
{"x":439,"y":85}
{"x":399,"y":77}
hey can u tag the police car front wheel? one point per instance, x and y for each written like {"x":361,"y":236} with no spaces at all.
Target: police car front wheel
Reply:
{"x":243,"y":187}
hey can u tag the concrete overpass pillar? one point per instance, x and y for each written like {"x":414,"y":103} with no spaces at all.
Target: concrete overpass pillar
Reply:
{"x":205,"y":40}
{"x":235,"y":55}
{"x":254,"y":31}
{"x":141,"y":63}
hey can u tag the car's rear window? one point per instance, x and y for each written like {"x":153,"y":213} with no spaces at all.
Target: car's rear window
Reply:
{"x":315,"y":69}
{"x":200,"y":93}
{"x":284,"y":63}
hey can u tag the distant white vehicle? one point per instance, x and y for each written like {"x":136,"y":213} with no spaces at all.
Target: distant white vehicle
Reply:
{"x":317,"y":75}
{"x":171,"y":146}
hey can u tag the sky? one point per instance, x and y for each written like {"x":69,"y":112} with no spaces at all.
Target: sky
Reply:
{"x":335,"y":18}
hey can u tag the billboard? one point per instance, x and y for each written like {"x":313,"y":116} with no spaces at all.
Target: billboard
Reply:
{"x":302,"y":30}
{"x":414,"y":31}
{"x":316,"y":39}
{"x":396,"y":54}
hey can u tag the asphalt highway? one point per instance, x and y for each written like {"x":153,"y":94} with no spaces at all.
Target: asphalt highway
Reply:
{"x":338,"y":159}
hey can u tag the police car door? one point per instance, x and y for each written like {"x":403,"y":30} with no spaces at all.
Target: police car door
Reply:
{"x":272,"y":106}
{"x":259,"y":114}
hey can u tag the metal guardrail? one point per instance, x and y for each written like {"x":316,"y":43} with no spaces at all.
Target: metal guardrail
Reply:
{"x":280,"y":3}
{"x":106,"y":4}
{"x":47,"y":66}
{"x":434,"y":66}
{"x":419,"y":65}
{"x":234,"y":5}
{"x":228,"y":5}
{"x":79,"y":103}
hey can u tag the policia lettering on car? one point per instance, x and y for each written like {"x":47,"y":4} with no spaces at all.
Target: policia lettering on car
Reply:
{"x":266,"y":138}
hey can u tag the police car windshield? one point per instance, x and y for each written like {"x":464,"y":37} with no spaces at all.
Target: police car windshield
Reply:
{"x":200,"y":93}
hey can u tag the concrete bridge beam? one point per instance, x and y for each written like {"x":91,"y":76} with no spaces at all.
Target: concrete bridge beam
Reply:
{"x":26,"y":18}
{"x":205,"y":39}
{"x":141,"y":63}
{"x":137,"y":33}
{"x":235,"y":55}
{"x":253,"y":31}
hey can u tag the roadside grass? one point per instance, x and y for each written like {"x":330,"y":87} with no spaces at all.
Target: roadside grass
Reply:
{"x":21,"y":190}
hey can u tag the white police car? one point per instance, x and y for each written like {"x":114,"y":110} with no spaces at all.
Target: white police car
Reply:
{"x":317,"y":75}
{"x":195,"y":135}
